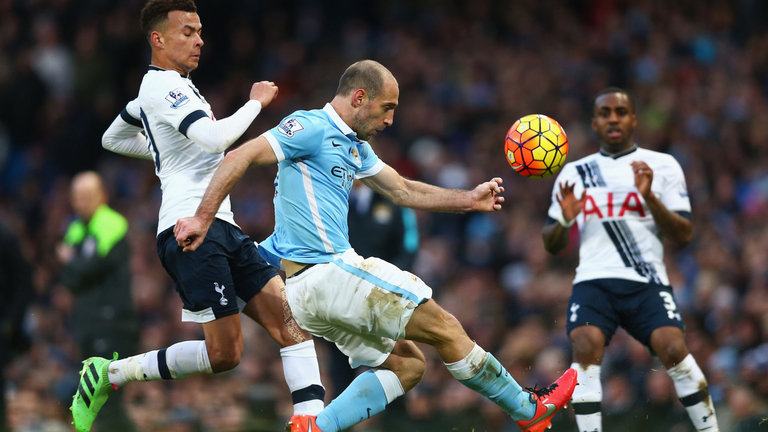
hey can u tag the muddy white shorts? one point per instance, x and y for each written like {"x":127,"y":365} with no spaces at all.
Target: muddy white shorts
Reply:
{"x":362,"y":305}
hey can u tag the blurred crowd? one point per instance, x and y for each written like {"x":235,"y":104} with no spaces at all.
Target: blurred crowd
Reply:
{"x":698,"y":70}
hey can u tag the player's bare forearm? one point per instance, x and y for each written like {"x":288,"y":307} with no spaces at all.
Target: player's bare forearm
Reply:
{"x":556,"y":237}
{"x":671,"y":225}
{"x":190,"y":231}
{"x":424,"y":196}
{"x":225,"y":178}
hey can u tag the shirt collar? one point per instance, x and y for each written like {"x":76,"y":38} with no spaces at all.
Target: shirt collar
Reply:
{"x":157,"y":68}
{"x":343,"y":127}
{"x":618,"y":155}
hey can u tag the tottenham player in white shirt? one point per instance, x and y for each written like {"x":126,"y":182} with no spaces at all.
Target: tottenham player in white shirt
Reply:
{"x":172,"y":124}
{"x":371,"y":309}
{"x":625,"y":200}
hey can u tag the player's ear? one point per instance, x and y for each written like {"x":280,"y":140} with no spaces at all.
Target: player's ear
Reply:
{"x":156,"y":39}
{"x":359,"y":97}
{"x":594,"y":123}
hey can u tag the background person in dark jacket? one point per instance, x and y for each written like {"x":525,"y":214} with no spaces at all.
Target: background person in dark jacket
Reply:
{"x":377,"y":227}
{"x":17,"y":292}
{"x":95,"y":257}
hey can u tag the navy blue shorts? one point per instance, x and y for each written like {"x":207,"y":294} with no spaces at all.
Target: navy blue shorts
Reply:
{"x":225,"y":269}
{"x":638,"y":307}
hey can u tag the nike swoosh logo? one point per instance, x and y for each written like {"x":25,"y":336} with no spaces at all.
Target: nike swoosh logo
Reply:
{"x":551,"y":408}
{"x":336,"y":145}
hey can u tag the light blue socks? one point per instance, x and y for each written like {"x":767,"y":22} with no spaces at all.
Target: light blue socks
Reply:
{"x":364,"y":398}
{"x":494,"y":382}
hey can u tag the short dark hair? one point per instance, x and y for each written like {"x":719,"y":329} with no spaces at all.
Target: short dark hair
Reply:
{"x":609,"y":90}
{"x":156,"y":12}
{"x":365,"y":74}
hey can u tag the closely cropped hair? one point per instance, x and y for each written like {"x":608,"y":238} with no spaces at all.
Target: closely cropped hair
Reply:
{"x":620,"y":90}
{"x":156,"y":11}
{"x":365,"y":74}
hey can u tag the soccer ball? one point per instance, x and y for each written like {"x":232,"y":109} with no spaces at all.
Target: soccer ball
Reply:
{"x":536,"y":146}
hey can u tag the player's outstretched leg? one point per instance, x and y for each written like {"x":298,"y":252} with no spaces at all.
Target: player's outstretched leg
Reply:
{"x":532,"y":408}
{"x":92,"y":392}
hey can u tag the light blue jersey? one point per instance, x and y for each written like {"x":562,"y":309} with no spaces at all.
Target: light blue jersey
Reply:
{"x":319,"y":157}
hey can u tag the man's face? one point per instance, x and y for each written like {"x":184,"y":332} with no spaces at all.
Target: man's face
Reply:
{"x":614,"y":122}
{"x":183,"y":41}
{"x":376,"y":114}
{"x":86,"y":196}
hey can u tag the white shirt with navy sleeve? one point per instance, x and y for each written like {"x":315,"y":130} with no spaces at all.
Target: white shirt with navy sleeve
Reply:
{"x":619,"y":237}
{"x":169,"y":104}
{"x":319,"y":157}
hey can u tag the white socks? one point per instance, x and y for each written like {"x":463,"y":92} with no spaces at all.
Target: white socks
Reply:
{"x":587,"y":398}
{"x":690,"y":384}
{"x":302,"y":374}
{"x":175,"y":362}
{"x":393,"y":388}
{"x":691,"y":388}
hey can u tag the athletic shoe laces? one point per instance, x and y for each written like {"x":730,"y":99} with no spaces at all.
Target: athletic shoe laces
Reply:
{"x":540,"y":392}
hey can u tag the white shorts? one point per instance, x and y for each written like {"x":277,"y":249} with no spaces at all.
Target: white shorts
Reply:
{"x":362,"y":305}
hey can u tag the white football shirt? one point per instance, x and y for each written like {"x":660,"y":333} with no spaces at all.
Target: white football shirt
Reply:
{"x":169,"y":104}
{"x":619,"y":238}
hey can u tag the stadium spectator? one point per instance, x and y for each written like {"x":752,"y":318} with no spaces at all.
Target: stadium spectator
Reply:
{"x":96,"y":268}
{"x":17,"y":292}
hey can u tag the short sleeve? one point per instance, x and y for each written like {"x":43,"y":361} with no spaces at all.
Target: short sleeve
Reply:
{"x":674,"y":196}
{"x":297,"y":136}
{"x":371,"y":164}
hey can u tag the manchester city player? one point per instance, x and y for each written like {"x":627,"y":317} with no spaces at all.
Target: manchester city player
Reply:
{"x":172,"y":124}
{"x":372,"y":310}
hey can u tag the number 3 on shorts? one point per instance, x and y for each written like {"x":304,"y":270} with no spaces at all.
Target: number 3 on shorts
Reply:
{"x":670,"y":305}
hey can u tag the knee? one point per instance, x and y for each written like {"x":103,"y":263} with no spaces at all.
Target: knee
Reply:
{"x":587,"y":346}
{"x":225,"y":358}
{"x":672,"y":353}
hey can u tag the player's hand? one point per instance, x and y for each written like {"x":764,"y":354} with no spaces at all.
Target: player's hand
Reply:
{"x":643,"y":177}
{"x":571,"y":205}
{"x":264,"y":92}
{"x":190,"y":233}
{"x":487,"y":195}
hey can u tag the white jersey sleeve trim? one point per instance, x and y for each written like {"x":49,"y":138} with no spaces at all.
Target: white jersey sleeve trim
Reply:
{"x":372,"y":171}
{"x":275,"y":146}
{"x":215,"y":136}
